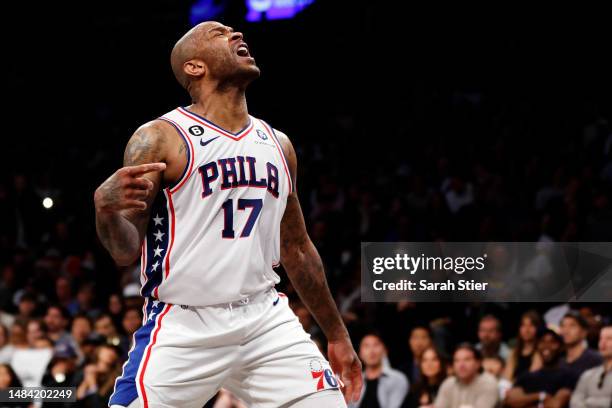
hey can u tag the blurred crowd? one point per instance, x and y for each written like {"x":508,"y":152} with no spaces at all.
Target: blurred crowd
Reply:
{"x":543,"y":365}
{"x":463,"y":166}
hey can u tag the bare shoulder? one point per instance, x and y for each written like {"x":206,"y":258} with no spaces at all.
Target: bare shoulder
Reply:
{"x":149,"y":143}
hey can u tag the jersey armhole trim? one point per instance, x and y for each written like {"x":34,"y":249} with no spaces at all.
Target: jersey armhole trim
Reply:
{"x":190,"y":153}
{"x":279,"y":146}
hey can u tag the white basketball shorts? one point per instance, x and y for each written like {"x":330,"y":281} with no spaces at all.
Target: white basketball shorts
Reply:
{"x":258,"y":350}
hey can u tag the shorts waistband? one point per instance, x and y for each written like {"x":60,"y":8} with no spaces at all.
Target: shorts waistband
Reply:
{"x":251,"y":299}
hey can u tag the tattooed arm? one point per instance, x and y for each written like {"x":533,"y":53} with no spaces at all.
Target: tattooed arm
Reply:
{"x":305,"y":270}
{"x":123,"y":201}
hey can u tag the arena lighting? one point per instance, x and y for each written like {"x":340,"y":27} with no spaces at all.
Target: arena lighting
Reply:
{"x":259,"y":10}
{"x":203,"y":10}
{"x":47,"y":202}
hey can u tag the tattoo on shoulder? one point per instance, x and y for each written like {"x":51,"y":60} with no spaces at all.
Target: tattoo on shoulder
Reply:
{"x":183,"y":148}
{"x":144,"y":146}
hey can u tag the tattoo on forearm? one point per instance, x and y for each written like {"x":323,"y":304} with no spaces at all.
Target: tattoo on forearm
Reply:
{"x":122,"y":232}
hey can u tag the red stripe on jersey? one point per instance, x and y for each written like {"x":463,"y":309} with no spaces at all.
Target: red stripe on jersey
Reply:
{"x":171,"y":204}
{"x":143,"y":263}
{"x":191,"y":155}
{"x":144,"y":367}
{"x":280,"y":150}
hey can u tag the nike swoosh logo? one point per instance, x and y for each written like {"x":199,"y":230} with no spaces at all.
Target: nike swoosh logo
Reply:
{"x":204,"y":143}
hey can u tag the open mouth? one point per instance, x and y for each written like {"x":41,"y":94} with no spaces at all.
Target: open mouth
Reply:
{"x":243,"y":50}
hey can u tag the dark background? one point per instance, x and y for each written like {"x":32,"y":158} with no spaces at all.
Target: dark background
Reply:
{"x":389,"y":108}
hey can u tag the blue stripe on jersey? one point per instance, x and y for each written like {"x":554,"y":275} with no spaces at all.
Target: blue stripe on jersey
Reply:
{"x":125,"y":387}
{"x":158,"y":236}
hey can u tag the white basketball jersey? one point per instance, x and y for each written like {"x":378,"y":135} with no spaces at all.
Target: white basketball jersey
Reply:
{"x":214,"y":236}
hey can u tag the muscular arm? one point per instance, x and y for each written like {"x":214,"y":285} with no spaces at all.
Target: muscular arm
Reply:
{"x":123,"y":201}
{"x":305,"y":271}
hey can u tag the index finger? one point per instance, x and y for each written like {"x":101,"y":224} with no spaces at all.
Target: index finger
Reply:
{"x":348,"y":388}
{"x":357,"y":385}
{"x":145,"y":168}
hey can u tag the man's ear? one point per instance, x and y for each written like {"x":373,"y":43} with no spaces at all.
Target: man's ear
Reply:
{"x":194,"y":68}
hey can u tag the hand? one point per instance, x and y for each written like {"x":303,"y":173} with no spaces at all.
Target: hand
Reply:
{"x":344,"y":361}
{"x":90,"y":375}
{"x":126,"y":188}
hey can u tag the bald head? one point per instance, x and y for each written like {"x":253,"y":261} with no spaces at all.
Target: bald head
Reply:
{"x":186,"y":49}
{"x":214,"y":51}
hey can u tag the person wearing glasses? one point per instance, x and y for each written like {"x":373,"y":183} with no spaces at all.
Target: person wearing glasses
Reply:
{"x":594,"y":389}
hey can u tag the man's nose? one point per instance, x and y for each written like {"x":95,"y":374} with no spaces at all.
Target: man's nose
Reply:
{"x":236,"y":36}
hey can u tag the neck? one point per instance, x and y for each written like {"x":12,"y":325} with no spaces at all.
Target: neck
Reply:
{"x":373,"y":372}
{"x":468,"y":380}
{"x":225,"y":106}
{"x":573,"y":352}
{"x":608,"y":364}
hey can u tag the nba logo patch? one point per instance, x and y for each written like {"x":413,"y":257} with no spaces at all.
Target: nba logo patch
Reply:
{"x":262,"y":134}
{"x":324,"y":376}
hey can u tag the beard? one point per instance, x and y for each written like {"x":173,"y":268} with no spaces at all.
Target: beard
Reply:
{"x":231,"y":70}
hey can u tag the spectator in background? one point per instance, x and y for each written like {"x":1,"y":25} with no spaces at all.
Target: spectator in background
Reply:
{"x":90,"y":346}
{"x":99,"y":377}
{"x":80,"y":330}
{"x":8,"y":379}
{"x":432,"y":372}
{"x":61,"y":371}
{"x":469,"y":386}
{"x":419,"y":340}
{"x":63,"y":294}
{"x":495,"y":366}
{"x":490,"y":338}
{"x":30,"y":359}
{"x":594,"y":325}
{"x":594,"y":389}
{"x":382,"y":385}
{"x":6,"y":348}
{"x":105,"y":326}
{"x":549,"y":386}
{"x":26,"y":306}
{"x":19,"y":339}
{"x":57,"y":319}
{"x":131,"y":296}
{"x":115,"y":308}
{"x":132,"y":320}
{"x":85,"y":300}
{"x":578,"y":356}
{"x":524,"y":357}
{"x":35,"y":330}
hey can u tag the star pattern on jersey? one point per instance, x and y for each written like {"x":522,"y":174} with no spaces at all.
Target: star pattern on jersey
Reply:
{"x":151,"y":316}
{"x":159,"y":235}
{"x":155,"y":303}
{"x":157,"y":251}
{"x":158,"y":220}
{"x":154,"y":266}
